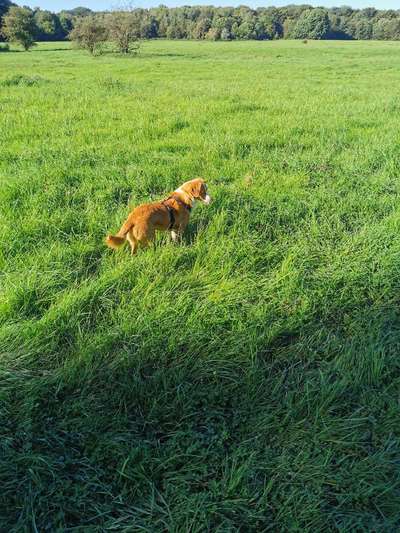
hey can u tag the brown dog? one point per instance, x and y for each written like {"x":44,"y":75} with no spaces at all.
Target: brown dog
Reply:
{"x":170,"y":214}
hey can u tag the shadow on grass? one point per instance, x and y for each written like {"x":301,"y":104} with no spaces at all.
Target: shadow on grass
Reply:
{"x":181,"y":424}
{"x":214,"y":411}
{"x":155,"y":54}
{"x":13,"y":51}
{"x":53,"y":50}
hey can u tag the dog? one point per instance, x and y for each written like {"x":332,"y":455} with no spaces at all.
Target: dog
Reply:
{"x":171,"y":214}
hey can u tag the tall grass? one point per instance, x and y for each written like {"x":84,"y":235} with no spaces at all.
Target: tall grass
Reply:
{"x":247,"y":379}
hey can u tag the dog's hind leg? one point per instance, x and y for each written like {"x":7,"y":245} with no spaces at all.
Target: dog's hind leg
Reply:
{"x":146,"y":240}
{"x":133,"y":243}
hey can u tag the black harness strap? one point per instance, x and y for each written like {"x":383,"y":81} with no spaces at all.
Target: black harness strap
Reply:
{"x":171,"y":215}
{"x":170,"y":210}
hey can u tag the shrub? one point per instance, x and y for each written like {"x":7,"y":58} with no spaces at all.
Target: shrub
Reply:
{"x":4,"y":48}
{"x":124,"y":31}
{"x":22,"y":80}
{"x":89,"y":33}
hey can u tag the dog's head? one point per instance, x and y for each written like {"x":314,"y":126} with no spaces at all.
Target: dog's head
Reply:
{"x":197,"y":190}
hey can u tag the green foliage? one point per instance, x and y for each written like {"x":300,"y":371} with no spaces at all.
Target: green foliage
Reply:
{"x":48,"y":26}
{"x":246,"y":379}
{"x":387,"y":29}
{"x":66,"y":23}
{"x":4,"y":7}
{"x":225,"y":34}
{"x":228,"y":23}
{"x":363,"y":29}
{"x":22,"y":80}
{"x":89,"y":33}
{"x":19,"y":27}
{"x":79,"y":12}
{"x":201,"y":28}
{"x":123,"y":29}
{"x":312,"y":24}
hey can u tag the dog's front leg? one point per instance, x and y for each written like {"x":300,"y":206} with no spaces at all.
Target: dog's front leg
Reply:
{"x":175,"y":236}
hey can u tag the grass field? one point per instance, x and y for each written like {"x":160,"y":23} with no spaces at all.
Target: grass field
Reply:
{"x":247,"y":379}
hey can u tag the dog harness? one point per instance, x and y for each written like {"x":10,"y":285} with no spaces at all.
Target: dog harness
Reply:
{"x":183,"y":204}
{"x":171,"y":216}
{"x":170,"y":210}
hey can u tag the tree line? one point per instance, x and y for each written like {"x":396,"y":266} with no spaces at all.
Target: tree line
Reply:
{"x":214,"y":23}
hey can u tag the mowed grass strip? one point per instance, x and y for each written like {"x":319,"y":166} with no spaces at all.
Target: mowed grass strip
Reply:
{"x":246,"y":379}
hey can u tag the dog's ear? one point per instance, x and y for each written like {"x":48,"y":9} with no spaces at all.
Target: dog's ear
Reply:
{"x":192,"y":188}
{"x":199,"y":187}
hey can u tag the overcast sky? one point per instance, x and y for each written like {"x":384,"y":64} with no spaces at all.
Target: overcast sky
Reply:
{"x":97,"y":5}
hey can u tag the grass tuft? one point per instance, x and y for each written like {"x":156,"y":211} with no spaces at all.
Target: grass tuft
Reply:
{"x":22,"y":80}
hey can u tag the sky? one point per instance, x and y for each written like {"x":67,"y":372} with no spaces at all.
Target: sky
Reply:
{"x":98,"y":5}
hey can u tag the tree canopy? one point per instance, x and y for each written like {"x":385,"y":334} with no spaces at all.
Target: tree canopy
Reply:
{"x":19,"y":26}
{"x":229,"y":23}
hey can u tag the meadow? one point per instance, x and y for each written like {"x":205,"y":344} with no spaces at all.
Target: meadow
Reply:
{"x":246,"y":379}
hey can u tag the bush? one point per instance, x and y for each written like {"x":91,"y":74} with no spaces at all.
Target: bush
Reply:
{"x":22,"y":80}
{"x":4,"y":48}
{"x":90,"y":34}
{"x":124,"y":31}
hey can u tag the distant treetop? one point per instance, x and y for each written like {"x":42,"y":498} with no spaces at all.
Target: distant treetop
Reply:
{"x":78,"y":11}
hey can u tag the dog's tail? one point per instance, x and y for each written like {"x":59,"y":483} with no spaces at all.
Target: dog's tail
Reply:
{"x":118,"y":240}
{"x":113,"y":241}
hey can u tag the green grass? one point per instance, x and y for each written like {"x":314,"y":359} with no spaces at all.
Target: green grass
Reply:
{"x":247,"y":379}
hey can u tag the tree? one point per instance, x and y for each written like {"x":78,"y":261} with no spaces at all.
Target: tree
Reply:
{"x":201,"y":29}
{"x":387,"y":30}
{"x":124,"y":30}
{"x":394,"y":29}
{"x":89,"y":33}
{"x":221,"y":23}
{"x":312,"y":24}
{"x":339,"y":29}
{"x":266,"y":27}
{"x":246,"y":30}
{"x":368,"y":12}
{"x":288,"y":29}
{"x":362,"y":29}
{"x":19,"y":27}
{"x":213,"y":34}
{"x":175,"y":30}
{"x":80,"y":12}
{"x":48,"y":25}
{"x":225,"y":35}
{"x":4,"y":7}
{"x":148,"y":26}
{"x":66,"y":23}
